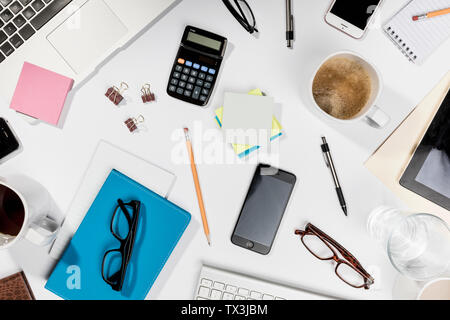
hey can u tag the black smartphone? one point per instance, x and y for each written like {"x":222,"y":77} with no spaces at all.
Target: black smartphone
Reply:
{"x":8,"y":141}
{"x":263,"y":209}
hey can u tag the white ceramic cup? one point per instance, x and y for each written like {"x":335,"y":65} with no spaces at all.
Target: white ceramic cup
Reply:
{"x":373,"y":115}
{"x":37,"y":227}
{"x":438,"y":289}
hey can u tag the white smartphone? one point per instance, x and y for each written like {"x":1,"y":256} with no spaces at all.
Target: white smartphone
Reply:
{"x":352,"y":17}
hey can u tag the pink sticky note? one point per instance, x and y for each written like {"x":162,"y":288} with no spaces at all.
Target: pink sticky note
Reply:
{"x":41,"y":93}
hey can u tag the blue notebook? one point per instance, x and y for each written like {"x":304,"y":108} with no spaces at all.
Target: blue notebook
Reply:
{"x":161,"y":224}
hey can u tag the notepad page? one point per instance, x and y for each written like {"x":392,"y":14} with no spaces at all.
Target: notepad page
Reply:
{"x":106,"y":158}
{"x":419,"y":39}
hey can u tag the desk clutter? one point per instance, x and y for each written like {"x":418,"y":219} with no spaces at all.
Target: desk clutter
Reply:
{"x":122,"y":229}
{"x":151,"y":239}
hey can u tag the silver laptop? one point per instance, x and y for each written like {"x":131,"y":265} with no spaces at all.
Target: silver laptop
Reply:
{"x":70,"y":37}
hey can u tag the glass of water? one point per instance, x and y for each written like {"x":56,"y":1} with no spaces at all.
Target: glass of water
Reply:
{"x":418,"y":245}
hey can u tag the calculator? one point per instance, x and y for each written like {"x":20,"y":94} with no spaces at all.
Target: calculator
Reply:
{"x":194,"y":72}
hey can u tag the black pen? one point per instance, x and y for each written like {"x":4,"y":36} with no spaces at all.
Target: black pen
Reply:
{"x":330,"y":164}
{"x":289,"y":24}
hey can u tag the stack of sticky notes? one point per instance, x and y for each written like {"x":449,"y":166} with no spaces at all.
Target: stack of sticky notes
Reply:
{"x":243,"y":150}
{"x":41,"y":93}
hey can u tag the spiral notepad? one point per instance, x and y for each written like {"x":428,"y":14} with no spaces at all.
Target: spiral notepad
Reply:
{"x":419,"y":39}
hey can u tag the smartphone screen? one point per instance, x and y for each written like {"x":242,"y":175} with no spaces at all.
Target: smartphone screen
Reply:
{"x":263,"y":209}
{"x":8,"y":142}
{"x":358,"y":13}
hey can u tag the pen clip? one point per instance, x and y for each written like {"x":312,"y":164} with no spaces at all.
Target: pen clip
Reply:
{"x":326,"y":159}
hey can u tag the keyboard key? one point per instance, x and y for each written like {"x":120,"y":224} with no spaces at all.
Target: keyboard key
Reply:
{"x":187,"y":93}
{"x":176,"y":74}
{"x":227,"y":296}
{"x":189,"y":86}
{"x":25,"y":2}
{"x":216,"y":294}
{"x":207,"y":85}
{"x":203,"y":292}
{"x":5,"y":3}
{"x":186,"y":70}
{"x":256,"y":295}
{"x":49,"y":12}
{"x":7,"y":49}
{"x":26,"y":32}
{"x":206,"y":282}
{"x":209,"y":78}
{"x":174,"y":82}
{"x":6,"y":15}
{"x":19,"y":21}
{"x":16,"y":41}
{"x":178,"y":68}
{"x":172,"y":88}
{"x":203,"y":98}
{"x":184,"y":77}
{"x":268,"y":297}
{"x":243,"y":292}
{"x":219,"y":286}
{"x":231,"y":289}
{"x":204,"y":69}
{"x":3,"y":37}
{"x":196,"y":92}
{"x":191,"y":80}
{"x":205,"y":91}
{"x":189,"y":63}
{"x":199,"y":82}
{"x":28,"y":13}
{"x":38,"y":5}
{"x":15,"y":7}
{"x":182,"y":84}
{"x":202,"y":76}
{"x":239,"y":297}
{"x":194,"y":73}
{"x":196,"y":66}
{"x":180,"y":91}
{"x":212,"y":71}
{"x":2,"y":57}
{"x":181,"y":61}
{"x":10,"y":29}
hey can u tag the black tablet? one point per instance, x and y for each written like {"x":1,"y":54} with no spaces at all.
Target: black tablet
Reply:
{"x":428,"y":173}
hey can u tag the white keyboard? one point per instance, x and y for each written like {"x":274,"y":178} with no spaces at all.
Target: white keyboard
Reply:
{"x":217,"y":284}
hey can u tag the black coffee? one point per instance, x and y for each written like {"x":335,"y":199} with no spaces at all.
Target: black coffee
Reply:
{"x":12,"y":212}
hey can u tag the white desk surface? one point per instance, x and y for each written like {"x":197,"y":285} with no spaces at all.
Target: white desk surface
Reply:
{"x":58,"y":157}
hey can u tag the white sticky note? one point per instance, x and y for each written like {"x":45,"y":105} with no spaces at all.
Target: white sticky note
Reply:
{"x":247,"y":119}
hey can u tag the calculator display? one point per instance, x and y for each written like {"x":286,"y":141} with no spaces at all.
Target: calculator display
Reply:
{"x":204,"y":41}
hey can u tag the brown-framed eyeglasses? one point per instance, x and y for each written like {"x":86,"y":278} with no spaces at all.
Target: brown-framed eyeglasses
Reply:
{"x":324,"y":247}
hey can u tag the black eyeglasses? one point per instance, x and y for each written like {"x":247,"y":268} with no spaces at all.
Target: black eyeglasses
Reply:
{"x":123,"y":228}
{"x":243,"y":15}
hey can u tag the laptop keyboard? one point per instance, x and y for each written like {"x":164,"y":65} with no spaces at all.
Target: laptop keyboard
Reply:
{"x":20,"y":19}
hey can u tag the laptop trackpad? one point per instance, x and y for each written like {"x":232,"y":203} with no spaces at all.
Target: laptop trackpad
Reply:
{"x":88,"y":35}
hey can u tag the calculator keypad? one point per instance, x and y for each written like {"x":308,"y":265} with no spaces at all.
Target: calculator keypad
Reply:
{"x":191,"y":80}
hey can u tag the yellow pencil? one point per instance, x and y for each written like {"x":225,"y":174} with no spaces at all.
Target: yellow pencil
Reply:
{"x":432,"y":14}
{"x":197,"y":185}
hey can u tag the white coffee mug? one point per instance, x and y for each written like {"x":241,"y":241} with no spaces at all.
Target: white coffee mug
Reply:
{"x":37,"y":227}
{"x":370,"y":112}
{"x":438,"y":289}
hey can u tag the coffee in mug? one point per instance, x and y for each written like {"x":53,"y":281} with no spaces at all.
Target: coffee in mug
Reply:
{"x":345,"y":88}
{"x":12,"y":213}
{"x":342,"y":87}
